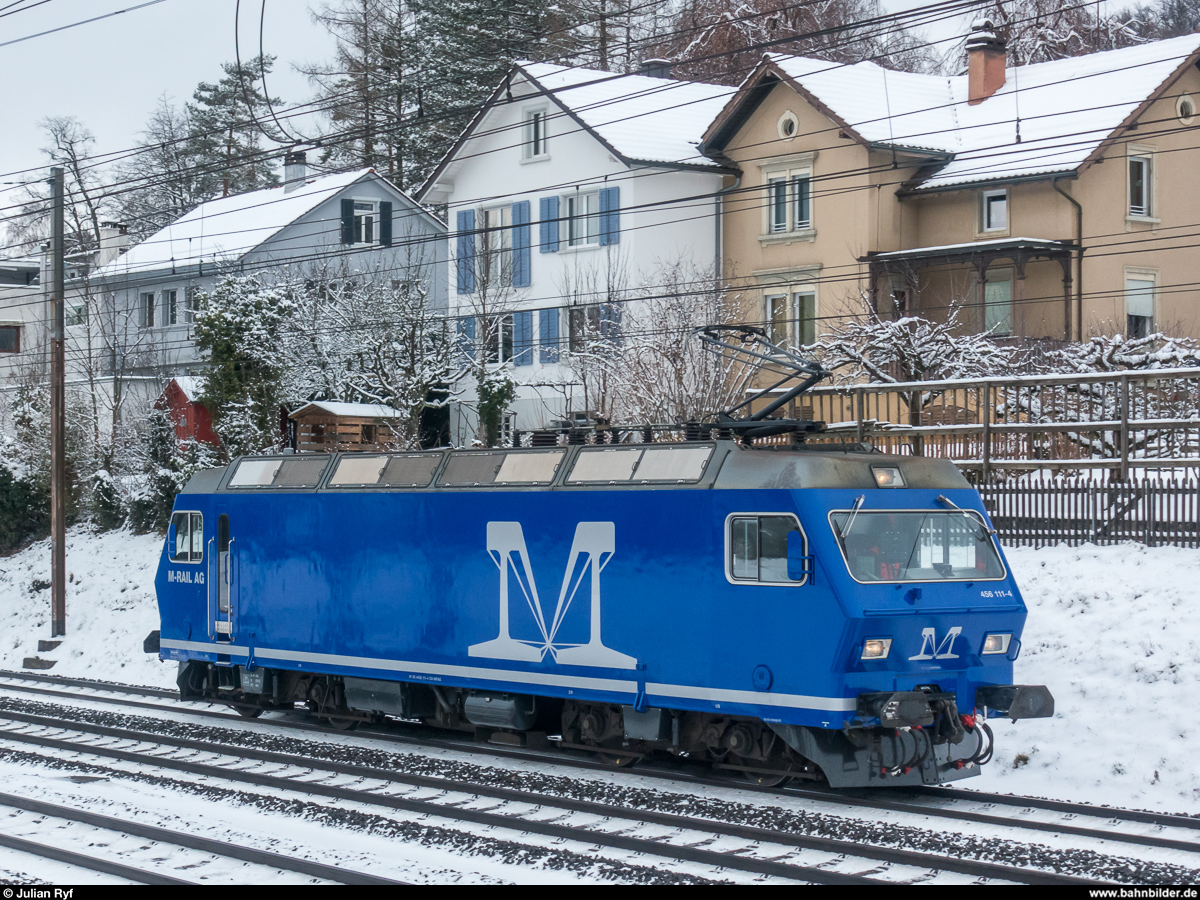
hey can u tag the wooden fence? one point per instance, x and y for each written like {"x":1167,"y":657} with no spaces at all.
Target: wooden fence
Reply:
{"x":1039,"y":511}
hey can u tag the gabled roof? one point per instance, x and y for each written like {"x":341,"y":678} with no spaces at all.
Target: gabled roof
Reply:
{"x":191,"y":386}
{"x":639,"y":119}
{"x":226,"y":229}
{"x":359,"y":410}
{"x":1067,"y":108}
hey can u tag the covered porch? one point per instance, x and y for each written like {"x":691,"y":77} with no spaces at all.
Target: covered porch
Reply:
{"x":905,"y":282}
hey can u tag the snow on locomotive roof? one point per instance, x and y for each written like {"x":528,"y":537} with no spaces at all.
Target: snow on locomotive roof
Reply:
{"x":723,"y":465}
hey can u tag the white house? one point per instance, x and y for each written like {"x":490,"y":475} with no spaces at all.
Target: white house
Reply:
{"x":131,"y":316}
{"x":566,"y":195}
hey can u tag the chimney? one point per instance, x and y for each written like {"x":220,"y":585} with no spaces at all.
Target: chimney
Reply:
{"x":114,"y":240}
{"x":295,"y":170}
{"x":986,"y":58}
{"x":656,"y":68}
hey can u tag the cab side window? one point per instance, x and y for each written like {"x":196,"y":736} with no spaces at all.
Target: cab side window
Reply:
{"x":189,"y":537}
{"x":758,"y":548}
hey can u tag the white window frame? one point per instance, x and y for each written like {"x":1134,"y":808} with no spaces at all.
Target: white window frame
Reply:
{"x":19,"y":329}
{"x":589,"y":218}
{"x":368,"y":214}
{"x":1149,"y":207}
{"x":495,"y":247}
{"x":534,"y":146}
{"x":170,"y":301}
{"x":1139,"y":274}
{"x":795,"y":325}
{"x":191,"y":299}
{"x":998,"y":276}
{"x":792,"y":226}
{"x":501,"y":342}
{"x":146,"y":302}
{"x":987,"y":226}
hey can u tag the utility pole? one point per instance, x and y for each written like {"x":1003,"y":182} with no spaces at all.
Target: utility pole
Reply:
{"x":58,"y":417}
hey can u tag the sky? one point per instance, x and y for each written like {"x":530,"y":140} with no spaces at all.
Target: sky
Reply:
{"x":109,"y":74}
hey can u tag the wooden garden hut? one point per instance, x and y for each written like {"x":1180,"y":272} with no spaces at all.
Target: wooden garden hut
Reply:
{"x":331,"y":426}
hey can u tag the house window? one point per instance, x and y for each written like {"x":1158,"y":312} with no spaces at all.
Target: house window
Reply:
{"x":10,"y":338}
{"x":1139,"y":186}
{"x":995,"y":210}
{"x":146,"y":310}
{"x":170,"y":307}
{"x":535,"y":134}
{"x":191,"y":304}
{"x":588,"y":324}
{"x":77,"y":315}
{"x":998,"y":303}
{"x":791,"y":318}
{"x":495,"y":258}
{"x":583,"y":219}
{"x":366,"y":215}
{"x":500,"y":341}
{"x":1139,"y":305}
{"x":789,"y":201}
{"x":777,"y":192}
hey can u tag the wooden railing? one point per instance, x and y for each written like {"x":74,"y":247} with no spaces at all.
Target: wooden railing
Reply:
{"x":1119,"y":420}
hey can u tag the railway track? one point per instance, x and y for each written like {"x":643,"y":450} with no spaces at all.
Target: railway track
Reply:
{"x":760,"y":853}
{"x":61,"y":824}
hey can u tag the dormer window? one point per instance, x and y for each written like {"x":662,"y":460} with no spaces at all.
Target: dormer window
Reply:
{"x":995,"y":210}
{"x":535,"y":134}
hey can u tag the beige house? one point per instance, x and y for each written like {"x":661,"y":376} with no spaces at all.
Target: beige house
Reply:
{"x":1056,"y":200}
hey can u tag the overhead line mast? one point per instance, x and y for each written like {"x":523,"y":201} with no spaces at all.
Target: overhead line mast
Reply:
{"x":58,"y":417}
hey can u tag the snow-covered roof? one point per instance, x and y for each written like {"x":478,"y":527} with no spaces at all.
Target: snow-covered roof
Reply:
{"x":361,"y":410}
{"x":192,"y":386}
{"x":976,"y":247}
{"x":642,"y":118}
{"x":228,"y":228}
{"x":1067,"y":108}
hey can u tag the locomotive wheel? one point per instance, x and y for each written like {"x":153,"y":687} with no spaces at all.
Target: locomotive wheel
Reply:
{"x":616,"y":758}
{"x":330,"y":703}
{"x":775,"y":771}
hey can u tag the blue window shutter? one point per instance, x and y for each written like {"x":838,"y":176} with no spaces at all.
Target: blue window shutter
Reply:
{"x":610,"y":216}
{"x":548,"y":239}
{"x":385,"y":223}
{"x":466,"y":253}
{"x":520,"y":244}
{"x":548,"y":334}
{"x":523,"y":338}
{"x":347,"y":221}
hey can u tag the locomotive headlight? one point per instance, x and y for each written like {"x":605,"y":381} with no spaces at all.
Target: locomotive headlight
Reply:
{"x":996,"y":643}
{"x":876,"y":648}
{"x":887,"y":476}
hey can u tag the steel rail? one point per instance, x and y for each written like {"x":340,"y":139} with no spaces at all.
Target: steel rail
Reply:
{"x":91,"y":863}
{"x":518,"y":824}
{"x":193,"y":842}
{"x":468,"y":745}
{"x":727,"y":829}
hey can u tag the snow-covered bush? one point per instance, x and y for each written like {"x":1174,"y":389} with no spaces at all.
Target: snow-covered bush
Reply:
{"x":239,"y":325}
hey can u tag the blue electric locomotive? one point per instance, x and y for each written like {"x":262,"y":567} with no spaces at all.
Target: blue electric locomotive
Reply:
{"x":786,"y":612}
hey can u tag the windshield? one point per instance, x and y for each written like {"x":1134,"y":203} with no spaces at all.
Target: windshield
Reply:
{"x":938,"y":545}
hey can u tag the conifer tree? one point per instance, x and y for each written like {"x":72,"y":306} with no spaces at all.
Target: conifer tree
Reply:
{"x":230,"y":122}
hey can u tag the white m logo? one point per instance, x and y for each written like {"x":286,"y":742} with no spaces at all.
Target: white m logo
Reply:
{"x":944,"y":650}
{"x":506,"y":545}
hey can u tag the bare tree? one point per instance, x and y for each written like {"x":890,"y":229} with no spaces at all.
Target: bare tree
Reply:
{"x":69,"y":145}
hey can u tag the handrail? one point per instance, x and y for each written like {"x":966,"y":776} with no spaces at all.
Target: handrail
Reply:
{"x":1015,"y":381}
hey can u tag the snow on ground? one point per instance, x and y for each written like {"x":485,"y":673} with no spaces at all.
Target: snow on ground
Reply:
{"x":110,"y":607}
{"x":1112,"y":631}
